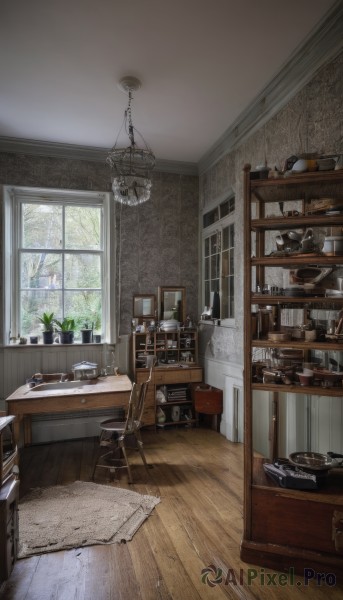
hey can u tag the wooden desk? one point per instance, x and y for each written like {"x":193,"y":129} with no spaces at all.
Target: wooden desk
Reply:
{"x":104,"y":392}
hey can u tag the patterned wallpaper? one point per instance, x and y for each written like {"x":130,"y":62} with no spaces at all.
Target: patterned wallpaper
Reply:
{"x":311,"y":122}
{"x":157,"y":242}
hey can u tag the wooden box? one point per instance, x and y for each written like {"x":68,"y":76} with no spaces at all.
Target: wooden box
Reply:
{"x":208,"y":400}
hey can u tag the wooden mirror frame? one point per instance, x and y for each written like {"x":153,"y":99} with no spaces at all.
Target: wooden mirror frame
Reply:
{"x":181,"y":310}
{"x":144,"y":306}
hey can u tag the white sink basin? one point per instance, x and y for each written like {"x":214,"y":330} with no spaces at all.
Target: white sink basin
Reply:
{"x":172,"y":366}
{"x":59,"y":385}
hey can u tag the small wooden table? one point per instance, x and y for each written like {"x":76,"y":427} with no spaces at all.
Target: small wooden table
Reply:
{"x":104,"y":392}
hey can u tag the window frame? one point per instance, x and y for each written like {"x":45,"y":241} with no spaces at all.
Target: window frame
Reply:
{"x":207,"y":231}
{"x":13,"y":196}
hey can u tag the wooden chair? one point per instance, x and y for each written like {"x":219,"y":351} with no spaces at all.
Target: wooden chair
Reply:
{"x":123,"y":436}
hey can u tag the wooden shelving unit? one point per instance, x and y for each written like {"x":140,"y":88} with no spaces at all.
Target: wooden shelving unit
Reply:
{"x":176,"y":354}
{"x":286,"y":528}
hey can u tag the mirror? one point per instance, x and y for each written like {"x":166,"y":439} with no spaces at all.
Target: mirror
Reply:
{"x":144,"y":306}
{"x":172,"y":303}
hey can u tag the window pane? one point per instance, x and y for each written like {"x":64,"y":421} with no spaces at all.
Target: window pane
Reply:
{"x":82,"y":271}
{"x":214,"y":285}
{"x":224,"y":311}
{"x":83,"y":227}
{"x":214,"y":243}
{"x":231,"y":271}
{"x":207,"y":247}
{"x":225,"y":263}
{"x":207,"y":268}
{"x":224,"y":209}
{"x":232,"y":236}
{"x":40,"y":270}
{"x":211,"y":217}
{"x":84,"y":307}
{"x":215,"y":266}
{"x":33,"y":304}
{"x":207,"y":293}
{"x":232,"y":296}
{"x":41,"y":225}
{"x":225,"y":237}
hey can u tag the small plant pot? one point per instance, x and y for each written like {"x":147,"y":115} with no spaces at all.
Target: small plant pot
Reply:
{"x":48,"y":337}
{"x":66,"y":337}
{"x":87,"y":336}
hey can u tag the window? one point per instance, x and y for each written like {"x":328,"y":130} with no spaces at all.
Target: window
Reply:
{"x":218,"y":257}
{"x":58,"y":242}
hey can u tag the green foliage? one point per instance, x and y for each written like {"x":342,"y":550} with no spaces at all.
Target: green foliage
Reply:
{"x":66,"y":325}
{"x":48,"y":321}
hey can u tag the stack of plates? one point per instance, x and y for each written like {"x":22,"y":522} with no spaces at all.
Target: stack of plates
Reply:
{"x":169,"y":325}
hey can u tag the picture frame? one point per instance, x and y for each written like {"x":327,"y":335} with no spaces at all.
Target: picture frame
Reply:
{"x":144,"y":306}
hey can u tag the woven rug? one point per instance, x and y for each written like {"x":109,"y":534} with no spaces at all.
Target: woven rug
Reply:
{"x":79,"y":514}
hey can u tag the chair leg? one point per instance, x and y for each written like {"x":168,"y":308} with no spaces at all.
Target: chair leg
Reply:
{"x":141,"y":451}
{"x":127,"y":464}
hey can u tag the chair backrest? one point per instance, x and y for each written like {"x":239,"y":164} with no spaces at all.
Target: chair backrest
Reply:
{"x":141,"y":399}
{"x":136,"y":405}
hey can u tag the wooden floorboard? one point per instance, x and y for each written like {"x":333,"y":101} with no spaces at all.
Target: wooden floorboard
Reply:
{"x":197,"y":526}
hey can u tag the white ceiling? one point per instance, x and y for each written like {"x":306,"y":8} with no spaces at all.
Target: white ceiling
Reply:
{"x":201,"y":63}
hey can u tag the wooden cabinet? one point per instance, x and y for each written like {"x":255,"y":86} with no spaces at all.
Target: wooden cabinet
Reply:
{"x":9,"y":530}
{"x":291,"y":289}
{"x":9,"y":497}
{"x":175,"y":371}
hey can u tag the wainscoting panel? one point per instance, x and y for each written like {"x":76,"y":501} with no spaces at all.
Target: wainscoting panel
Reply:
{"x":229,"y":378}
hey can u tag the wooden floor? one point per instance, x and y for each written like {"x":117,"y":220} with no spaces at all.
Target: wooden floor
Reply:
{"x":197,"y":526}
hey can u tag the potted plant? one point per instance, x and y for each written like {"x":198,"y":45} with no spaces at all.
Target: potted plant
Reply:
{"x":47,"y":321}
{"x":66,"y":330}
{"x":86,"y":334}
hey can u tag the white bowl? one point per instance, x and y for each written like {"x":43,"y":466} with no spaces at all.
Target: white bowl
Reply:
{"x":300,"y":166}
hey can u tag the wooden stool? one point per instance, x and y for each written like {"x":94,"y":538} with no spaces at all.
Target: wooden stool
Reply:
{"x":209,"y":401}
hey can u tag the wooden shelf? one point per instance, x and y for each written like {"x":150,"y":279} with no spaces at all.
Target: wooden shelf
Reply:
{"x":286,"y":528}
{"x":313,"y":390}
{"x":298,"y":345}
{"x":267,"y":299}
{"x":318,"y":220}
{"x":296,"y":259}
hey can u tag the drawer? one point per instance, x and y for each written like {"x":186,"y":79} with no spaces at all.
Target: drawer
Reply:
{"x":177,"y":376}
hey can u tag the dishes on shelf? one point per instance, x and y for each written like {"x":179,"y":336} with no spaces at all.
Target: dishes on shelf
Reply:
{"x":169,"y":325}
{"x":305,"y":378}
{"x":279,"y":336}
{"x":311,"y":461}
{"x":333,"y":293}
{"x":326,"y":377}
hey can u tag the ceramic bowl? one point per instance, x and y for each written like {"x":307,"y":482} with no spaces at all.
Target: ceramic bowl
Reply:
{"x":304,"y":378}
{"x":330,"y":377}
{"x":300,"y":166}
{"x":311,"y":460}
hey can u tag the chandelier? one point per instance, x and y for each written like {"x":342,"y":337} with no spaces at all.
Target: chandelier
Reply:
{"x":131,"y":166}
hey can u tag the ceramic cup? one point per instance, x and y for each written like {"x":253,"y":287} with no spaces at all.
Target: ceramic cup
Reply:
{"x":310,"y":335}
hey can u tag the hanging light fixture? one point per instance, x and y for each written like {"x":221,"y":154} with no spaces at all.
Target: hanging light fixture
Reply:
{"x":131,"y":166}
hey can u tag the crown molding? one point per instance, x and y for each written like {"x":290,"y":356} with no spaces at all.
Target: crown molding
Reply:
{"x":75,"y":152}
{"x":323,"y":44}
